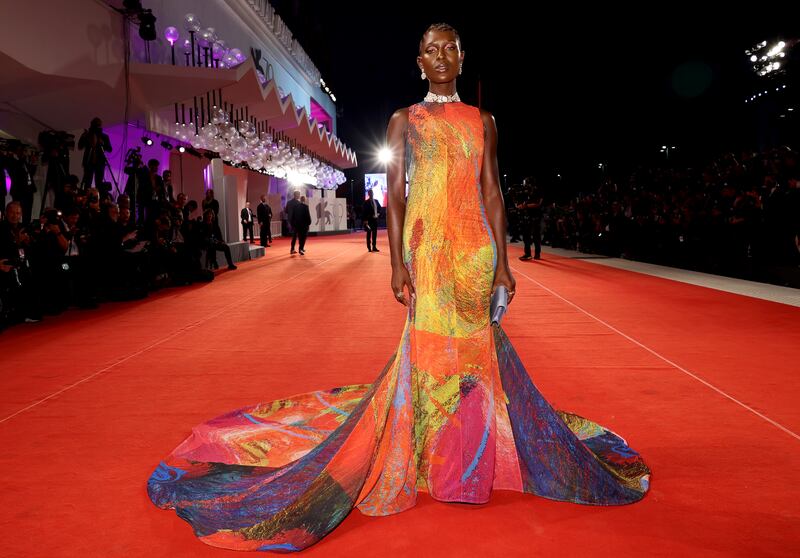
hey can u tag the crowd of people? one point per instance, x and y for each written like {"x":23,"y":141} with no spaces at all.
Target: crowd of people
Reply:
{"x":90,"y":245}
{"x":737,"y":215}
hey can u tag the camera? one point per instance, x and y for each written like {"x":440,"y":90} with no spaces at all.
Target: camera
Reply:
{"x":55,"y":143}
{"x":134,"y":157}
{"x":52,"y":217}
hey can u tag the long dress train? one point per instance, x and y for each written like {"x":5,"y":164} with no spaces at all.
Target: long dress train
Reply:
{"x":453,"y":413}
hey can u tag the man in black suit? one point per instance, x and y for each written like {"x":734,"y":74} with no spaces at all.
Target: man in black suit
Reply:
{"x":264,"y":215}
{"x":529,"y":204}
{"x":301,"y":221}
{"x":291,"y":205}
{"x":21,"y":173}
{"x":247,"y":222}
{"x":369,"y":215}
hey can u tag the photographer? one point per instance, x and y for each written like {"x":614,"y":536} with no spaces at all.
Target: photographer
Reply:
{"x":65,"y":195}
{"x":55,"y":146}
{"x":21,"y":169}
{"x":18,"y":299}
{"x":47,"y":261}
{"x":95,"y":145}
{"x":138,"y":188}
{"x":77,"y":260}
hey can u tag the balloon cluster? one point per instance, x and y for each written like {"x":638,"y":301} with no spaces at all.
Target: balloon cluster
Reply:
{"x":260,"y":151}
{"x":207,"y":38}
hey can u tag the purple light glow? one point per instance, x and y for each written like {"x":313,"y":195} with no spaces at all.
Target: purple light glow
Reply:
{"x":172,"y":35}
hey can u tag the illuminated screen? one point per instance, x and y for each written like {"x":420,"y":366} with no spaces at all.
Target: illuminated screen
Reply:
{"x":376,"y":183}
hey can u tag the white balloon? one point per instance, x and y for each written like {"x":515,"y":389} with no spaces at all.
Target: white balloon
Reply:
{"x":191,"y":23}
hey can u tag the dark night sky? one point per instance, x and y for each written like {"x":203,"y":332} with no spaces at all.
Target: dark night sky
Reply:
{"x":567,"y":91}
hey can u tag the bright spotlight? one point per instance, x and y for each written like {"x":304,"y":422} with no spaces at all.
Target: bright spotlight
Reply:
{"x":385,"y":155}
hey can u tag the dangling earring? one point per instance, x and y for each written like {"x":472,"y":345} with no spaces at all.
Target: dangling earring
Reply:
{"x":460,"y":68}
{"x":423,"y":75}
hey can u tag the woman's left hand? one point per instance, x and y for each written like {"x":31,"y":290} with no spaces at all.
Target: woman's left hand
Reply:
{"x":503,"y":277}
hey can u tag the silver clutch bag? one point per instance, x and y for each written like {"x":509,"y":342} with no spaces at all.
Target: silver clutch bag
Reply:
{"x":499,"y":304}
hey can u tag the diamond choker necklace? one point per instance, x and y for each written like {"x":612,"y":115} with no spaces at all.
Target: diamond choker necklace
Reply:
{"x":434,"y":98}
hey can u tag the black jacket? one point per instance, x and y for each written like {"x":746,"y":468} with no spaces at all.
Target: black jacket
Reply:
{"x":366,"y":212}
{"x":95,"y":144}
{"x":301,"y":216}
{"x":264,"y":213}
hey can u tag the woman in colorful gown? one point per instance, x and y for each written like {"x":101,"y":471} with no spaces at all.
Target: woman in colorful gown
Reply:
{"x":453,"y":413}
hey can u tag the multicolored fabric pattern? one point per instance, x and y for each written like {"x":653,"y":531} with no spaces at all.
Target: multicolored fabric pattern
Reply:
{"x":453,"y":413}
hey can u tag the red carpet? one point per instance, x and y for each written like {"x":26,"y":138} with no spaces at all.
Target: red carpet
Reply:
{"x":702,"y":383}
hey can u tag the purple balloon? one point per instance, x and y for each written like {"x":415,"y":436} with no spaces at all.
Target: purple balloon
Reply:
{"x":172,"y":35}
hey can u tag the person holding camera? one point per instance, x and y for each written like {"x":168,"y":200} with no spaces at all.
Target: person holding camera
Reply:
{"x":48,"y":246}
{"x":18,"y":300}
{"x":95,"y":144}
{"x":78,"y":260}
{"x":21,"y":170}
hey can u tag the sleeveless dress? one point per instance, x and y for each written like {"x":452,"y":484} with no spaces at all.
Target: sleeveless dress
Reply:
{"x":453,"y":413}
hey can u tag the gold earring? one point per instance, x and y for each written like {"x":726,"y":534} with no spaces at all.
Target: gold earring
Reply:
{"x":423,"y":75}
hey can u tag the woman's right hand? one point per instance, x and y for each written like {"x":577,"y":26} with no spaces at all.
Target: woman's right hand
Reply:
{"x":400,"y":280}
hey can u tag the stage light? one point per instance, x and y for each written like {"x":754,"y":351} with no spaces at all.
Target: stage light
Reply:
{"x":166,"y":145}
{"x":385,"y":155}
{"x":147,"y":25}
{"x":132,"y":5}
{"x":181,"y":149}
{"x":147,"y":141}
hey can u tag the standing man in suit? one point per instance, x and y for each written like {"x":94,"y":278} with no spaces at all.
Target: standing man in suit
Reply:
{"x":291,"y":206}
{"x":530,"y":210}
{"x":21,"y":173}
{"x":247,"y":222}
{"x":370,"y":214}
{"x":264,"y":215}
{"x":301,"y":221}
